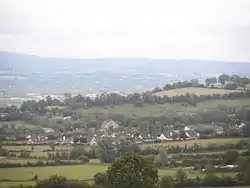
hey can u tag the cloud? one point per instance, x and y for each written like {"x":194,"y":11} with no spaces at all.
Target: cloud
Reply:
{"x":201,"y":29}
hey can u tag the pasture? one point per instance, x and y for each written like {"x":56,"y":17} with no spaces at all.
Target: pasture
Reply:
{"x":18,"y":125}
{"x":55,"y":107}
{"x":130,"y":110}
{"x":194,"y":90}
{"x":201,"y":142}
{"x":80,"y":172}
{"x":38,"y":150}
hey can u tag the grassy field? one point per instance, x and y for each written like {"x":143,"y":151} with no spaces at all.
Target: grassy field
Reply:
{"x":80,"y":172}
{"x":194,"y":90}
{"x":85,"y":172}
{"x":18,"y":124}
{"x":38,"y":150}
{"x":161,"y":109}
{"x":55,"y":107}
{"x":201,"y":142}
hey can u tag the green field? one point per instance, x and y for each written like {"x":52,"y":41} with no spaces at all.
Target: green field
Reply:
{"x":38,"y":150}
{"x":218,"y":141}
{"x":130,"y":110}
{"x":194,"y":90}
{"x":80,"y":172}
{"x":18,"y":124}
{"x":85,"y":172}
{"x":201,"y":142}
{"x":55,"y":107}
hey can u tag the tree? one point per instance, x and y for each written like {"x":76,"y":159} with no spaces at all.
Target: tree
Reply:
{"x":100,"y":179}
{"x":213,"y":80}
{"x":223,"y":78}
{"x":195,"y":82}
{"x":237,"y":80}
{"x":181,"y":176}
{"x":132,"y":171}
{"x":52,"y":146}
{"x":49,"y":100}
{"x":208,"y":81}
{"x":230,"y":157}
{"x":162,"y":159}
{"x":166,"y":182}
{"x":245,"y":170}
{"x":53,"y":181}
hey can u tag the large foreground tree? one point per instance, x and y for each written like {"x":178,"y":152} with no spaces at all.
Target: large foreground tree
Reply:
{"x":132,"y":171}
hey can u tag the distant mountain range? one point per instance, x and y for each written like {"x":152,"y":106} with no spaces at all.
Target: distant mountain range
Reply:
{"x":20,"y":73}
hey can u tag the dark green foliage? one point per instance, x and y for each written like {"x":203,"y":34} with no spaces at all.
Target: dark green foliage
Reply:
{"x":166,"y":182}
{"x":181,"y":176}
{"x":230,"y":157}
{"x":132,"y":171}
{"x":100,"y":179}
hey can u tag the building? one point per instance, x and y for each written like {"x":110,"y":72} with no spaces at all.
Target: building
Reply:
{"x":108,"y":125}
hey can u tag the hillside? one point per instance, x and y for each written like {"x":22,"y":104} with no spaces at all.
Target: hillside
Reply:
{"x":194,"y":90}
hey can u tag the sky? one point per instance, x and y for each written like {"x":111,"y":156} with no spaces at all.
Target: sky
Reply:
{"x":166,"y":29}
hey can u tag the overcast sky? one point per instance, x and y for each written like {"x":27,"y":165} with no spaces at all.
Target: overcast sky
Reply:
{"x":200,"y":29}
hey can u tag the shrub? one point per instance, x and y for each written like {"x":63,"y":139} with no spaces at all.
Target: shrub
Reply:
{"x":166,"y":182}
{"x":100,"y":179}
{"x":84,"y":158}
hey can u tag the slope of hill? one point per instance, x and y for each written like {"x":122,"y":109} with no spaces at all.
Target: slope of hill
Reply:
{"x":194,"y":90}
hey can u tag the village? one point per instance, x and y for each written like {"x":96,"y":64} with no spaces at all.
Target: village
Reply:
{"x":109,"y":129}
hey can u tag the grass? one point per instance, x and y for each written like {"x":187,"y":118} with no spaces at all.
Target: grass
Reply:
{"x":38,"y":150}
{"x":80,"y":172}
{"x":55,"y":107}
{"x":86,"y":172}
{"x":18,"y":124}
{"x":194,"y":90}
{"x":201,"y":142}
{"x":130,"y":110}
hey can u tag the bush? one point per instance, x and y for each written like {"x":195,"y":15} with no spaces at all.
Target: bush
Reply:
{"x":100,"y":179}
{"x":84,"y":158}
{"x":166,"y":182}
{"x":24,"y":155}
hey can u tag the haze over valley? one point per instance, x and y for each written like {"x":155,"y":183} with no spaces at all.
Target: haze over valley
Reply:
{"x":21,"y":74}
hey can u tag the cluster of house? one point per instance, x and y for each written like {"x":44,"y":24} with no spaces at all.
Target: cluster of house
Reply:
{"x":110,"y":129}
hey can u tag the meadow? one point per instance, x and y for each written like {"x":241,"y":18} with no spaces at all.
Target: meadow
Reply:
{"x":130,"y":110}
{"x":194,"y":90}
{"x":80,"y":172}
{"x":23,"y":175}
{"x":18,"y":124}
{"x":38,"y":150}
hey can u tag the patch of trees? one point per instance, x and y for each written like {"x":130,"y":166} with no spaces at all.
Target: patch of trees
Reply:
{"x":41,"y":163}
{"x":224,"y":79}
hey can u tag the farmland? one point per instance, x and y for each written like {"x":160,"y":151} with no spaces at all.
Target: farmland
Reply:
{"x":23,"y":175}
{"x":194,"y":90}
{"x":18,"y":124}
{"x":130,"y":110}
{"x":201,"y":142}
{"x":80,"y":172}
{"x":38,"y":150}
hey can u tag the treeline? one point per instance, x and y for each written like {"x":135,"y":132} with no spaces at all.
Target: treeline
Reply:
{"x":112,"y":99}
{"x":224,"y":79}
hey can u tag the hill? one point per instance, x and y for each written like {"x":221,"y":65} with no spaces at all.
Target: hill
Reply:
{"x":194,"y":90}
{"x":59,"y":75}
